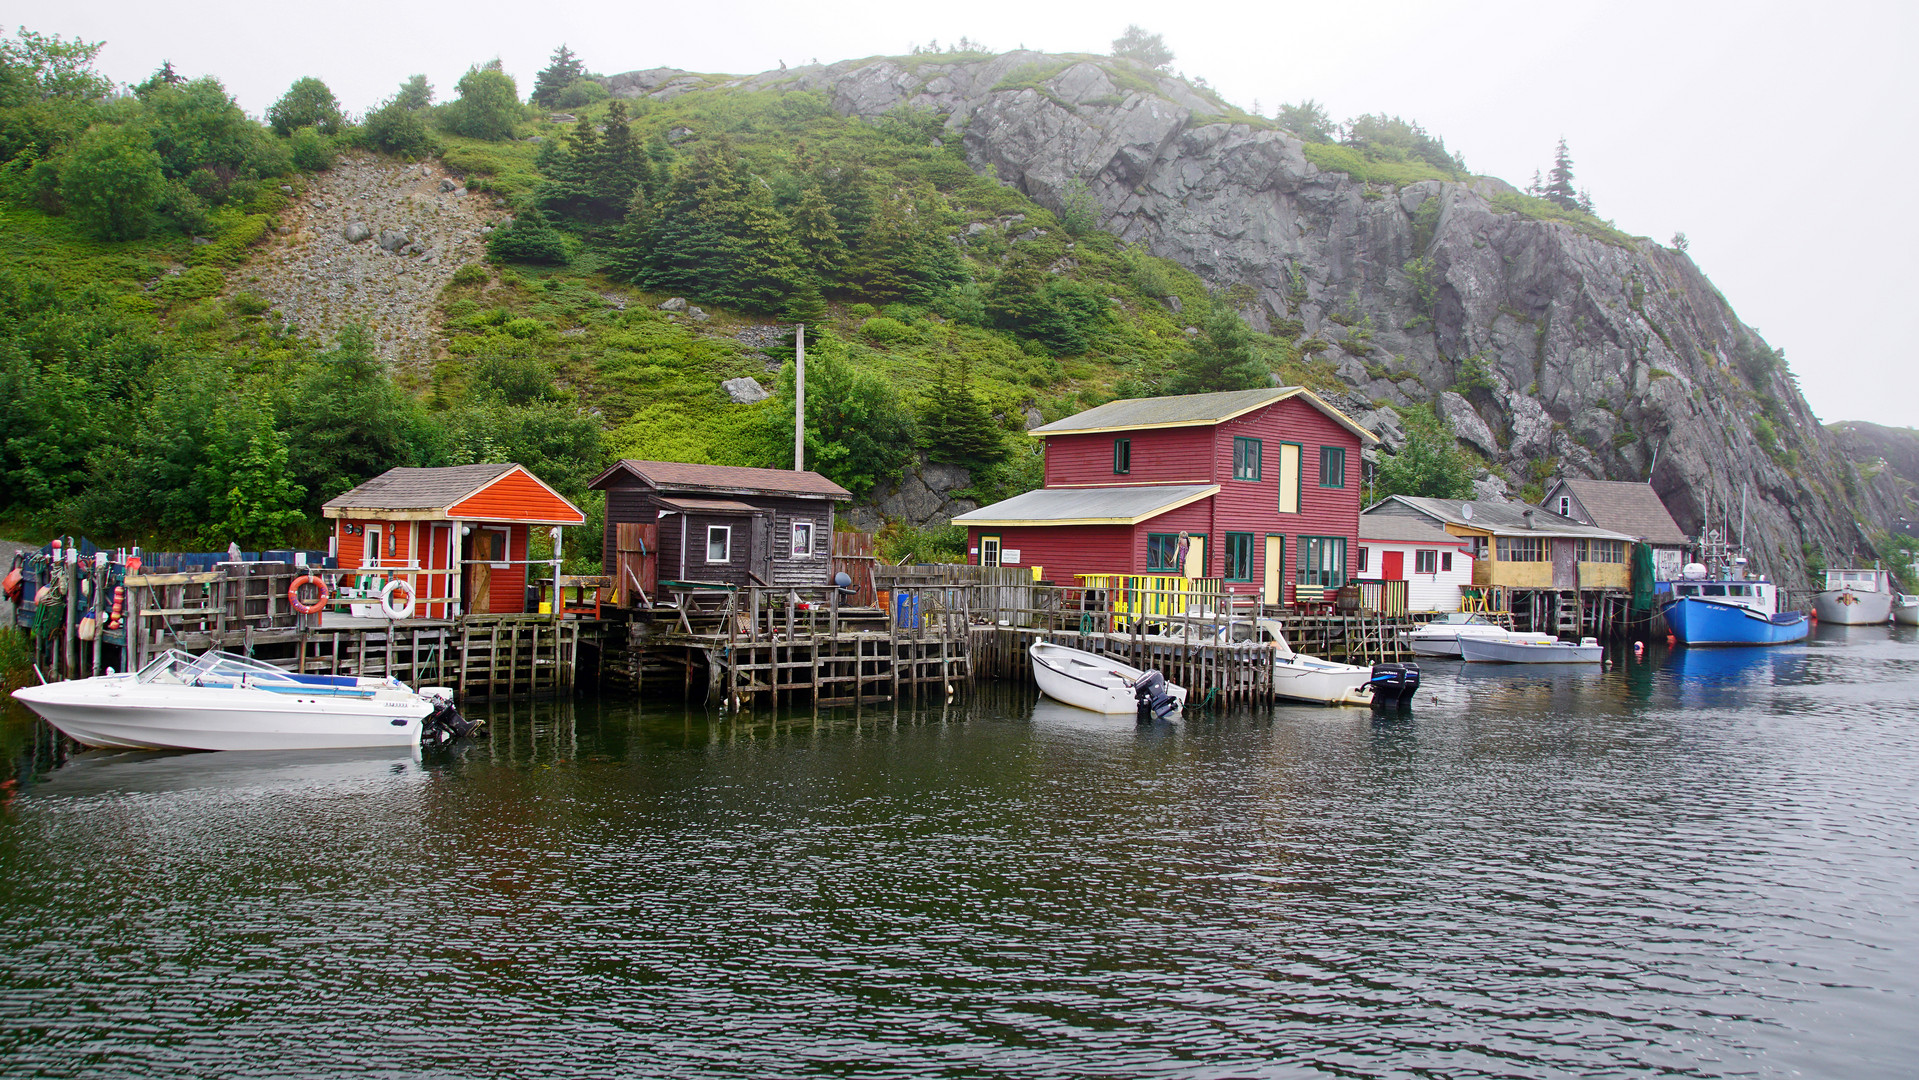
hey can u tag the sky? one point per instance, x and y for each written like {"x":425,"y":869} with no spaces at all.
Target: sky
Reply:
{"x":1778,"y":137}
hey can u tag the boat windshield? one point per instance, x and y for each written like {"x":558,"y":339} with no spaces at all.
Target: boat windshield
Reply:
{"x":213,"y":669}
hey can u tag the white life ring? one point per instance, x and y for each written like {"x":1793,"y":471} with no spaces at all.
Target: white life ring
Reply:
{"x":390,"y":604}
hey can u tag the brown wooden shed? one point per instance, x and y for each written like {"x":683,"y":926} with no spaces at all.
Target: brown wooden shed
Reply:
{"x":724,"y":523}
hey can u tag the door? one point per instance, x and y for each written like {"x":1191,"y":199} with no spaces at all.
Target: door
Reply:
{"x":989,"y":551}
{"x":1196,"y":558}
{"x":1392,"y":566}
{"x":1565,"y":566}
{"x":1275,"y":566}
{"x":482,"y":547}
{"x":439,"y":556}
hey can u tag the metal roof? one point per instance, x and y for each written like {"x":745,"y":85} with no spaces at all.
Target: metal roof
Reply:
{"x":1088,"y":506}
{"x":737,"y":479}
{"x":1627,"y":506}
{"x":1401,"y":529}
{"x":418,"y":489}
{"x":1191,"y":410}
{"x":1500,"y":518}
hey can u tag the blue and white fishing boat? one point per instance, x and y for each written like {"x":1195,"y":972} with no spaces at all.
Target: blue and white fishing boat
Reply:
{"x":1730,"y":610}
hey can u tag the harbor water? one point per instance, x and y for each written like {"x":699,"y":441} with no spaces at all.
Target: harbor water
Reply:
{"x":1702,"y":863}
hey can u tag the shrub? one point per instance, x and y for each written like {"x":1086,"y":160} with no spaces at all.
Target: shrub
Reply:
{"x":528,"y":239}
{"x":881,"y":330}
{"x":310,"y":150}
{"x":395,"y":129}
{"x":580,"y":94}
{"x":307,"y":103}
{"x":470,"y":274}
{"x":111,"y":180}
{"x":488,"y":105}
{"x":246,"y":303}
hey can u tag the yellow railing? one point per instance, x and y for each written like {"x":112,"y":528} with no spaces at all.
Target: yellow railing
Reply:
{"x":1155,"y":594}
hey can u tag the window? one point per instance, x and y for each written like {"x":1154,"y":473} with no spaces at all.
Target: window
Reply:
{"x":1362,"y":559}
{"x":989,"y":551}
{"x":1565,"y":506}
{"x":1478,"y":547}
{"x":1162,"y":551}
{"x":1322,"y":561}
{"x":1122,"y":456}
{"x":1246,"y":454}
{"x":719,"y":543}
{"x":1239,"y":556}
{"x":1522,"y":549}
{"x":1289,"y":478}
{"x":802,"y":540}
{"x":1426,"y":561}
{"x":1332,"y":466}
{"x":1446,"y":561}
{"x":370,"y":546}
{"x":1601,"y":551}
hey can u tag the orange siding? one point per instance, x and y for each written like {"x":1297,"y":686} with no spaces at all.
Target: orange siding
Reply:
{"x":353,"y":545}
{"x":507,"y":594}
{"x":516,"y":497}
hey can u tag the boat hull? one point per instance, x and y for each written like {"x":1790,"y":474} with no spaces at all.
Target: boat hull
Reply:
{"x":1519,"y":652}
{"x":1304,"y":678}
{"x":1852,"y":607}
{"x":1703,"y":622}
{"x":127,"y":717}
{"x":1447,"y":647}
{"x":1089,"y":681}
{"x":1905,"y":611}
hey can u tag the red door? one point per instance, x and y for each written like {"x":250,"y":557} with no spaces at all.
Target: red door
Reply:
{"x":1392,"y":565}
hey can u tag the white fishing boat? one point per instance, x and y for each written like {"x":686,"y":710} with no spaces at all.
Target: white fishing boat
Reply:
{"x":1476,"y":650}
{"x":1298,"y":677}
{"x":221,"y":701}
{"x":1905,"y":610}
{"x":1102,"y":684}
{"x":1854,"y":597}
{"x":1440,"y":638}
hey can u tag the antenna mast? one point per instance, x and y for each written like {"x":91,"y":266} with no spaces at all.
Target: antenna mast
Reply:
{"x":799,"y":398}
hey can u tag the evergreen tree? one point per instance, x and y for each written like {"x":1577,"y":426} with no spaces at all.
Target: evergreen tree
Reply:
{"x":415,"y":93}
{"x":488,"y":105}
{"x":817,"y":233}
{"x":1221,"y":358}
{"x":954,"y":424}
{"x":1307,"y":120}
{"x":258,"y":501}
{"x":561,"y":73}
{"x":857,"y":433}
{"x":1559,"y":179}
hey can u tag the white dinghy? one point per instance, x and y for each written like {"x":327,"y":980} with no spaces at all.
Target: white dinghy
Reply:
{"x":1476,"y":650}
{"x":1102,"y":684}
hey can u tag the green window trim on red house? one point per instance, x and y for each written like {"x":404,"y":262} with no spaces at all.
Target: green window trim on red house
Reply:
{"x":1239,"y":556}
{"x":1246,"y":458}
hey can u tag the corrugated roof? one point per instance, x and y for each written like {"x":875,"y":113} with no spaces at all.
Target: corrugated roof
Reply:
{"x":1401,"y":529}
{"x":1502,"y":518}
{"x":1628,"y":507}
{"x":418,"y":489}
{"x":670,"y":475}
{"x":1191,"y":410}
{"x":1087,"y":506}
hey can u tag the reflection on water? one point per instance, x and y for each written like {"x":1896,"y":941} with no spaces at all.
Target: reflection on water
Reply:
{"x":1697,"y":863}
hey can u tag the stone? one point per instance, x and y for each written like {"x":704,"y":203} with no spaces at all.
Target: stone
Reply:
{"x":356,"y":231}
{"x":679,"y":134}
{"x":448,"y":184}
{"x":1467,"y":426}
{"x":1032,"y":416}
{"x":1174,"y":305}
{"x":394,"y":239}
{"x":745,"y":390}
{"x":697,"y":314}
{"x":459,"y":192}
{"x":677,"y":303}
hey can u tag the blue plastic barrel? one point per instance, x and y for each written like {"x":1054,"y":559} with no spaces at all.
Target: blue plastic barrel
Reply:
{"x":906,"y":611}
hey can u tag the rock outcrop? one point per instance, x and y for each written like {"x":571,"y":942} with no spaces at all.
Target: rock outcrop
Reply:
{"x":1566,"y":351}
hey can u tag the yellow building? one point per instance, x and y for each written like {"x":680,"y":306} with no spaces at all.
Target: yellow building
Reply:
{"x":1524,"y":547}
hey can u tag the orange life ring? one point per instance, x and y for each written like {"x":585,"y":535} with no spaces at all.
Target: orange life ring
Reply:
{"x":293,"y":594}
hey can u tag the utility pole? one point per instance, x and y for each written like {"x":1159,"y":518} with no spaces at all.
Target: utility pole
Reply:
{"x":799,"y":398}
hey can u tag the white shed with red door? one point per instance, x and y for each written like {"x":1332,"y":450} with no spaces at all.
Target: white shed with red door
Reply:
{"x":1435,"y":564}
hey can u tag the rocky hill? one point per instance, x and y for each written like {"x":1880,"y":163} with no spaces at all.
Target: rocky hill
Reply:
{"x":1554,"y":346}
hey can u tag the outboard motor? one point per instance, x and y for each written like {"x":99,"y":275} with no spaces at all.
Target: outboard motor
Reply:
{"x":445,"y":723}
{"x":1394,"y":685}
{"x":1155,"y":701}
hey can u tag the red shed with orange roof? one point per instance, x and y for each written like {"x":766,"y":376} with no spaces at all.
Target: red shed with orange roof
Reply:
{"x":458,"y":535}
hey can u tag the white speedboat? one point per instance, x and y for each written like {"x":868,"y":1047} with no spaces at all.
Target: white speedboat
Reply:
{"x":1308,"y":678}
{"x":225,"y":702}
{"x":1475,"y":650}
{"x":1854,"y":597}
{"x":1905,"y":610}
{"x":1440,"y":638}
{"x":1102,"y":684}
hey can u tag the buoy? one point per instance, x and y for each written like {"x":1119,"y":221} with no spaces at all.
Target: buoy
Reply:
{"x":293,"y":594}
{"x":391,"y":605}
{"x":1671,"y":641}
{"x":1638,"y":649}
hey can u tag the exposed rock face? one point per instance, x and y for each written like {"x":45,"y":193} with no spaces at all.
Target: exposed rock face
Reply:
{"x":921,"y":496}
{"x":322,"y":277}
{"x":745,"y":390}
{"x":1591,"y":357}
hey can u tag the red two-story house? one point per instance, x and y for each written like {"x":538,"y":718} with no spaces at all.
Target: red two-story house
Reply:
{"x":1260,"y":487}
